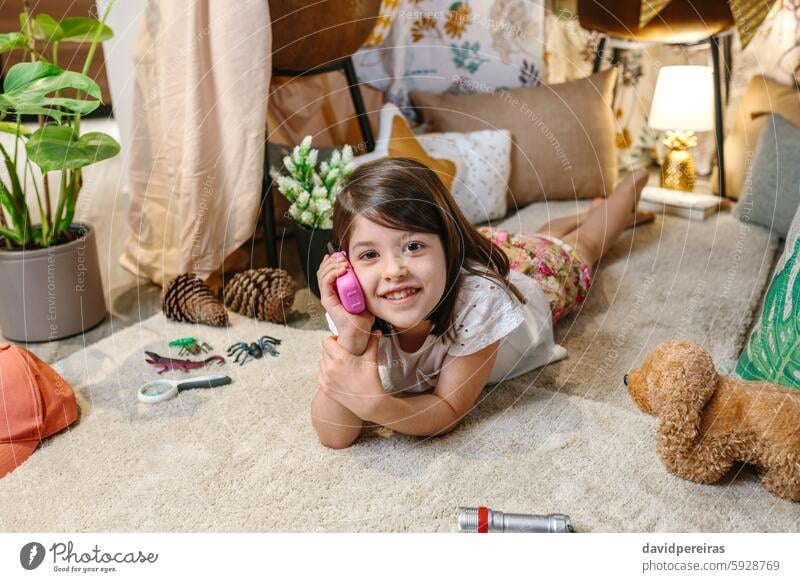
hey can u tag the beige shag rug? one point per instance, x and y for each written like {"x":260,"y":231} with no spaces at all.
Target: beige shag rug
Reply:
{"x":564,"y":439}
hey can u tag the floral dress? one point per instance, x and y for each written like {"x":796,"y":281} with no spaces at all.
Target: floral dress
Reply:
{"x":561,"y":274}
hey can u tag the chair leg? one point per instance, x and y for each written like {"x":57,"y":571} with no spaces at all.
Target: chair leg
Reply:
{"x":268,"y":211}
{"x":616,"y":56}
{"x":598,"y":57}
{"x":358,"y":104}
{"x":718,"y":125}
{"x":727,"y":58}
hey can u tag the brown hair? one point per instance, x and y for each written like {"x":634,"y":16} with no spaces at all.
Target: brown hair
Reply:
{"x":403,"y":194}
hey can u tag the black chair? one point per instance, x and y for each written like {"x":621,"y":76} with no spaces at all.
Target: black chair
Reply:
{"x":310,"y":37}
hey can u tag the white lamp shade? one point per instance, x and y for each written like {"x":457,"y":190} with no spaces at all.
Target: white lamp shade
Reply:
{"x":684,"y":99}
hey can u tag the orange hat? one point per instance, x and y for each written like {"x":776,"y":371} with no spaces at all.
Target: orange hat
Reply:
{"x":35,"y":403}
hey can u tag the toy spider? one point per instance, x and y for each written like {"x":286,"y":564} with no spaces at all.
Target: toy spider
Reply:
{"x":254,"y":349}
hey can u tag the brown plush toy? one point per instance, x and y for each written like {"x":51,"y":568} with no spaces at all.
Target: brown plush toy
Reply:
{"x":709,"y":421}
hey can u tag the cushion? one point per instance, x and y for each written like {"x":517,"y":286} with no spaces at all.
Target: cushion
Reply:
{"x":772,"y":353}
{"x":481,"y":161}
{"x":563,"y":135}
{"x":770,"y":196}
{"x":762,"y":95}
{"x":396,"y":139}
{"x":483,"y":168}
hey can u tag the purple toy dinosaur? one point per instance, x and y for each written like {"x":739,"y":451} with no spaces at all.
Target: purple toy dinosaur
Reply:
{"x":177,"y":364}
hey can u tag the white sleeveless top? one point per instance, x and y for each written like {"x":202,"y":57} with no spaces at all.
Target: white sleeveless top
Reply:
{"x":484,"y":313}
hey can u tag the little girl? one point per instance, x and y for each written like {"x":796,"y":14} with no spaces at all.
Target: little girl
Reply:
{"x":450,"y":308}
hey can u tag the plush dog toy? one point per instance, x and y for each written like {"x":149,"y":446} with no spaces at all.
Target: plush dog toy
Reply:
{"x":709,"y":421}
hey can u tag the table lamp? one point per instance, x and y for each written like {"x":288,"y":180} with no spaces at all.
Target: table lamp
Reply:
{"x":682,"y":104}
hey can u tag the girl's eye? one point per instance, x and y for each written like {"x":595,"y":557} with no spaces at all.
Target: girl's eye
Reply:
{"x":415,"y":246}
{"x":367,"y":255}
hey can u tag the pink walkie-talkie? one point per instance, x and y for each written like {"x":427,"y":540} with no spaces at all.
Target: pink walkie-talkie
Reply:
{"x":348,"y":288}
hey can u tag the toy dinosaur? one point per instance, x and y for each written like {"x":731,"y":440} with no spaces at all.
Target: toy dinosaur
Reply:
{"x":178,"y":364}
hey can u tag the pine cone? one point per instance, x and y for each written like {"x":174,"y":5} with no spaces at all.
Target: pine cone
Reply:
{"x":187,"y":298}
{"x":266,"y":294}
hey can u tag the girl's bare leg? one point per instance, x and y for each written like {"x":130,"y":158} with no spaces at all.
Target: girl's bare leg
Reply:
{"x":337,"y":427}
{"x":563,"y":225}
{"x":606,"y":221}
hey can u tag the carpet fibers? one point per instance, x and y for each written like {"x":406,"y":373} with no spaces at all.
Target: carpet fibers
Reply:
{"x":566,"y":438}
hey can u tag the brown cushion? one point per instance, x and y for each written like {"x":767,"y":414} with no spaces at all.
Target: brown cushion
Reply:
{"x":563,"y":134}
{"x":763,"y":95}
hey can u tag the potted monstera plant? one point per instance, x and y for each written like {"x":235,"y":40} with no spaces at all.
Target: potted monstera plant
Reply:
{"x":50,"y":285}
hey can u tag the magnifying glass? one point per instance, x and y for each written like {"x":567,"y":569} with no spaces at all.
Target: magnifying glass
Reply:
{"x":164,"y":389}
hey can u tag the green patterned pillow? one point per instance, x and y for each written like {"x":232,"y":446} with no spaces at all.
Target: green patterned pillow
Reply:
{"x":773,"y":352}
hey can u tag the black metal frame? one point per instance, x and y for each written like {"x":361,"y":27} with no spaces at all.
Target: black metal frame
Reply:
{"x":714,"y":43}
{"x":267,"y":201}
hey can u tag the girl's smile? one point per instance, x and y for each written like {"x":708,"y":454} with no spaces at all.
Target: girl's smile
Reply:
{"x":402,"y":273}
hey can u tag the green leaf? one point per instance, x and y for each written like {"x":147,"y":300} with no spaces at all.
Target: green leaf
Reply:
{"x":74,"y":29}
{"x":45,"y":27}
{"x":63,"y":80}
{"x":28,"y":84}
{"x":9,"y":127}
{"x":83,"y":29}
{"x":9,"y":203}
{"x":57,"y":147}
{"x":773,"y":352}
{"x":80,"y":106}
{"x":12,"y":40}
{"x":11,"y":235}
{"x":22,"y":74}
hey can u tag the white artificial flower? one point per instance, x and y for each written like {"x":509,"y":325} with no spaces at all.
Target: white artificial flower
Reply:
{"x":303,"y":198}
{"x":332,"y":177}
{"x":287,"y":161}
{"x":306,"y":218}
{"x":319,"y":192}
{"x":294,"y":211}
{"x":312,"y":158}
{"x":326,"y":223}
{"x":324,"y":205}
{"x":306,"y":143}
{"x":316,"y":179}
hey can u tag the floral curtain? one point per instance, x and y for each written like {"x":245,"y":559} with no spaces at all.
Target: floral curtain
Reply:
{"x":443,"y":46}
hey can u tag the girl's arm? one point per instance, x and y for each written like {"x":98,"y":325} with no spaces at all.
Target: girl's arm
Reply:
{"x":461,"y":380}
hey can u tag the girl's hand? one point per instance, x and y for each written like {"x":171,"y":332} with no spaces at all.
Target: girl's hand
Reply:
{"x":348,"y":325}
{"x":352,"y":381}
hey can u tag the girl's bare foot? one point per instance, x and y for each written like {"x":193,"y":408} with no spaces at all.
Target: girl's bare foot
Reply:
{"x":631,"y":187}
{"x":640,"y":217}
{"x":638,"y":181}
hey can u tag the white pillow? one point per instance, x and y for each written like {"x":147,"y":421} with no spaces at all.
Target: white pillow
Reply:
{"x":482,"y":159}
{"x":483,"y":167}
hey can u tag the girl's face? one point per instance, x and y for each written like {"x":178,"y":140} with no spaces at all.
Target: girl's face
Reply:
{"x":403,"y":274}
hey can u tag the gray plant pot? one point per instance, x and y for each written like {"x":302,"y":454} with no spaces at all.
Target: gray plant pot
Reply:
{"x":53,"y":293}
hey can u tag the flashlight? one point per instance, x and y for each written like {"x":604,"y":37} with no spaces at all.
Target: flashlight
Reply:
{"x":484,"y":520}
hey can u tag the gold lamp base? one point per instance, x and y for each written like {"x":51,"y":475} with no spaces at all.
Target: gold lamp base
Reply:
{"x":678,"y":170}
